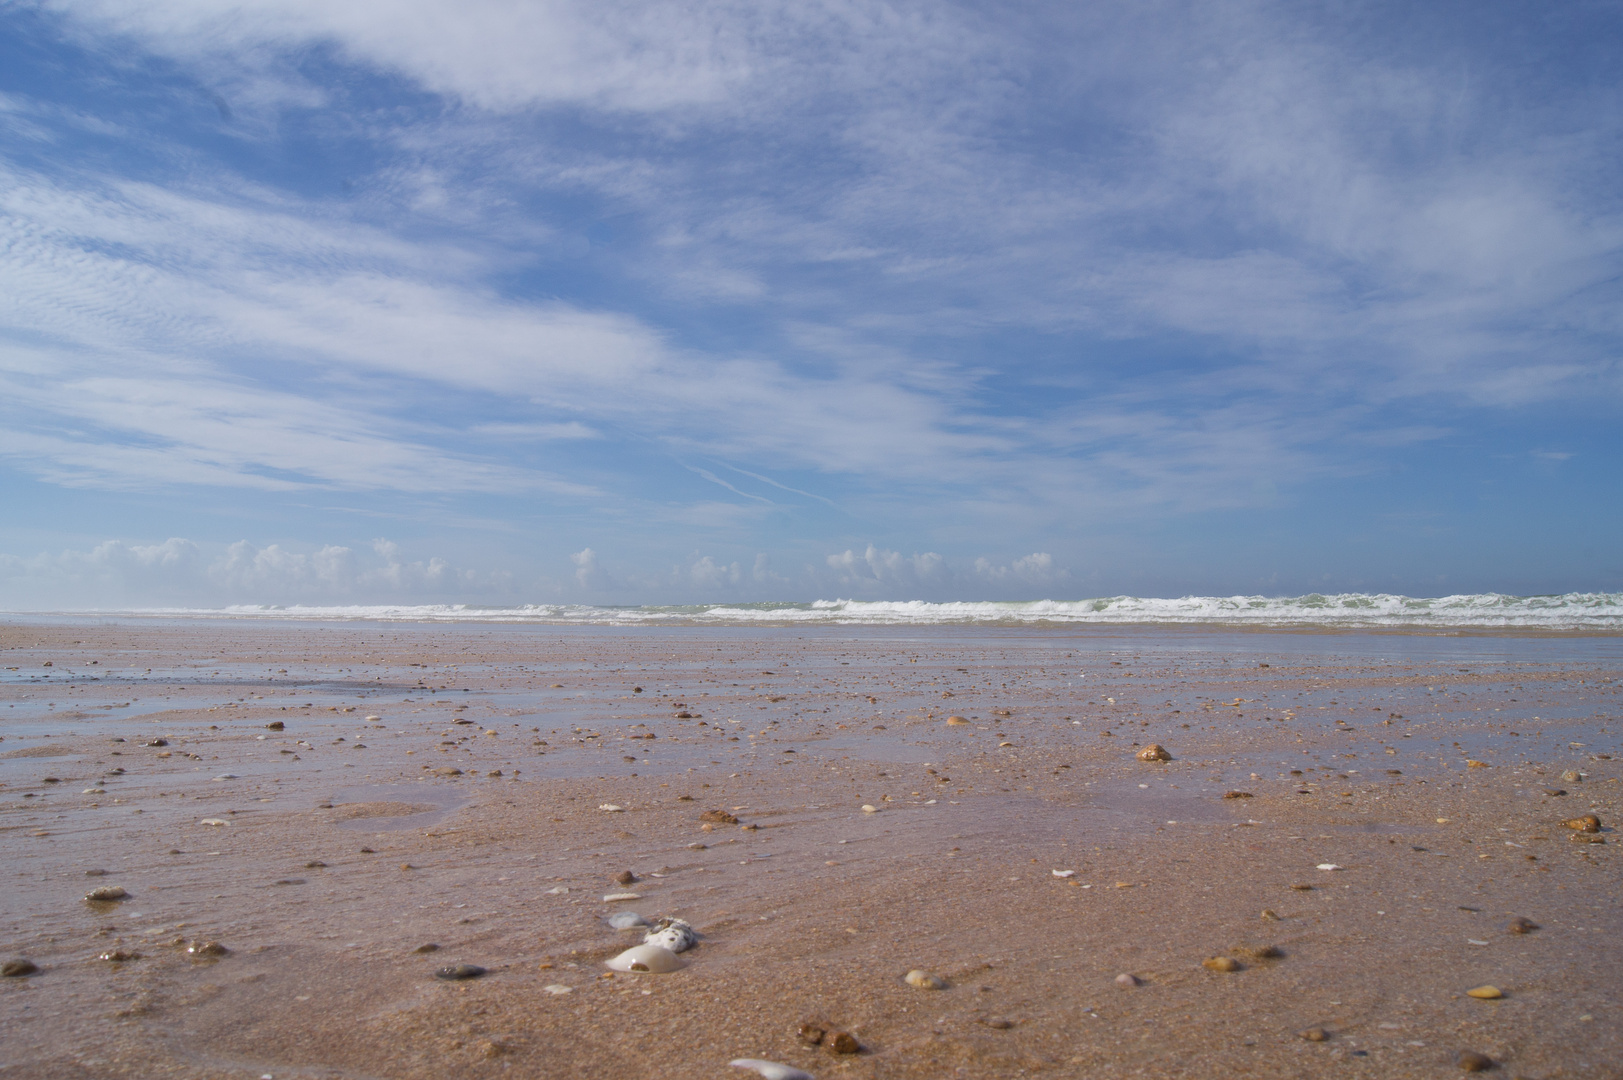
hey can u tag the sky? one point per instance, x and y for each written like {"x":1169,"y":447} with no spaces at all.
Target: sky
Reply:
{"x":518,"y":301}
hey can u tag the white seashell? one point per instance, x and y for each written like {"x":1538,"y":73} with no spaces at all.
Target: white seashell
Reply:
{"x":653,"y":959}
{"x":924,"y":980}
{"x":611,"y":808}
{"x":558,"y":890}
{"x":1064,"y":873}
{"x":867,"y":809}
{"x":771,"y":1070}
{"x":94,"y":791}
{"x":627,"y":920}
{"x":558,"y":988}
{"x":673,"y":934}
{"x":214,"y":821}
{"x":374,"y":718}
{"x":616,"y":897}
{"x":1328,"y":866}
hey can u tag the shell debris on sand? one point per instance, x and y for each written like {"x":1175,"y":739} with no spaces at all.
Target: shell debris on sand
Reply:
{"x":617,"y":897}
{"x":1589,"y":823}
{"x":771,"y":1070}
{"x":459,"y":972}
{"x":1220,"y":963}
{"x":673,"y":934}
{"x":1485,"y":993}
{"x":1126,"y":980}
{"x":106,"y":894}
{"x":626,"y":920}
{"x":214,"y":821}
{"x":957,"y":721}
{"x":648,"y":959}
{"x":1153,"y":752}
{"x":924,"y":980}
{"x":611,"y":808}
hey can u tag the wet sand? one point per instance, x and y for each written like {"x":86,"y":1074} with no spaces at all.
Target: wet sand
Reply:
{"x":471,"y":816}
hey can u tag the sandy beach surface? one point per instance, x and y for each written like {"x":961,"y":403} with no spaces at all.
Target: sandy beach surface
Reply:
{"x":1354,"y":820}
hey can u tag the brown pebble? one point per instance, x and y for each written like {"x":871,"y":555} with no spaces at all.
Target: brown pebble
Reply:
{"x":842,"y":1042}
{"x":1302,"y":888}
{"x":276,"y":725}
{"x":1220,"y":963}
{"x":1237,"y":795}
{"x":1520,"y":925}
{"x":1127,"y":980}
{"x":998,"y":1022}
{"x":1314,"y":1034}
{"x":811,"y":1034}
{"x":457,"y":972}
{"x":17,"y":969}
{"x":106,"y":894}
{"x":207,"y":948}
{"x":314,"y":864}
{"x":1589,"y":823}
{"x":119,"y":956}
{"x":718,"y":817}
{"x":1471,"y":1061}
{"x":407,"y":866}
{"x":1555,"y":791}
{"x":1260,"y":952}
{"x":1153,"y":752}
{"x":1269,"y":915}
{"x":430,"y":947}
{"x":624,"y":877}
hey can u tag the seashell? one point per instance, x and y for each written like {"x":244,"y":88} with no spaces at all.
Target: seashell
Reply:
{"x":1153,"y":752}
{"x":558,"y":988}
{"x":611,"y":808}
{"x":374,"y":717}
{"x":1475,"y":764}
{"x":458,"y":972}
{"x":1124,"y":979}
{"x":207,"y":948}
{"x":616,"y":897}
{"x":106,"y":893}
{"x":924,"y":980}
{"x":1588,"y":823}
{"x":1520,"y":925}
{"x":718,"y":817}
{"x":955,"y":721}
{"x":869,"y":808}
{"x":214,"y":821}
{"x":651,"y":959}
{"x":626,"y":920}
{"x":673,"y":934}
{"x":1471,"y":1061}
{"x":771,"y":1070}
{"x":1063,"y":873}
{"x":1328,"y":866}
{"x":1220,"y":963}
{"x":1485,"y":993}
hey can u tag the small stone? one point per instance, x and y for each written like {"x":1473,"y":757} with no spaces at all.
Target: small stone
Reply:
{"x":458,"y":972}
{"x":617,"y":897}
{"x":998,"y":1022}
{"x":956,"y":721}
{"x":1519,"y":925}
{"x":156,"y":742}
{"x":624,"y":877}
{"x":95,"y":873}
{"x":1586,"y":838}
{"x":1589,"y":823}
{"x":430,"y":947}
{"x":1572,"y":776}
{"x":1124,"y":979}
{"x":1555,"y":791}
{"x":843,"y":1042}
{"x":1269,"y":915}
{"x":811,"y":1033}
{"x":719,"y":817}
{"x":1237,"y":795}
{"x":1153,"y":752}
{"x":1475,"y":764}
{"x":106,"y":894}
{"x":446,"y":770}
{"x":1471,"y":1061}
{"x":558,"y":988}
{"x":119,"y":956}
{"x":869,"y":808}
{"x":1220,"y":963}
{"x":315,"y":864}
{"x":18,"y":968}
{"x":1485,"y":993}
{"x":207,"y":948}
{"x":611,"y":808}
{"x":924,"y":980}
{"x":276,"y":725}
{"x":1314,"y":1034}
{"x":1261,"y":952}
{"x":1302,"y":888}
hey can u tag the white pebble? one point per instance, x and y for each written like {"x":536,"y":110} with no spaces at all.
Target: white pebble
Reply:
{"x":868,"y":808}
{"x":1328,"y":866}
{"x":771,"y":1070}
{"x":1064,"y":873}
{"x":611,"y":808}
{"x":214,"y":821}
{"x":626,"y":920}
{"x":558,"y":988}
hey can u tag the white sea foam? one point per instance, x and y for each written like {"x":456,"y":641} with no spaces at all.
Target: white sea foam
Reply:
{"x":1481,"y":611}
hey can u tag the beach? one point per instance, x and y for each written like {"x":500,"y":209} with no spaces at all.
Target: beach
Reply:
{"x":1352,"y":820}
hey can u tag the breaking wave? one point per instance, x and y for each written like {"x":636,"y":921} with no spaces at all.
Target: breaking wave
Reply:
{"x":1349,"y":611}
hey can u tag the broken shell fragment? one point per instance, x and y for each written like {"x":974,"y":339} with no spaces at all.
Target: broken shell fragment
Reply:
{"x":924,"y":980}
{"x":106,"y":894}
{"x":718,"y":817}
{"x":649,"y":959}
{"x":458,"y":972}
{"x":1153,"y":752}
{"x":1588,"y":823}
{"x":673,"y":934}
{"x":1220,"y":963}
{"x":1315,"y":1034}
{"x":1520,"y":925}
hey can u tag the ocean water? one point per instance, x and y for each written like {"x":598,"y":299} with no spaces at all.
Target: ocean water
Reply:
{"x":1569,"y":612}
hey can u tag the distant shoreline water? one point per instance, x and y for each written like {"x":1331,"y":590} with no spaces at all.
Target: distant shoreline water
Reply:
{"x":1568,"y":612}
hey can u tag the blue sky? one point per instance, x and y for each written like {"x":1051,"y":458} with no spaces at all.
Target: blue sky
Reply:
{"x":530,"y":302}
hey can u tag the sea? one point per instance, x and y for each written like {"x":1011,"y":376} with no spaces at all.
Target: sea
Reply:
{"x":1592,"y":612}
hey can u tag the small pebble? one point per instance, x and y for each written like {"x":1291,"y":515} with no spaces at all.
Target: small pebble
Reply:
{"x":956,"y":721}
{"x":1124,"y":979}
{"x":1485,"y":993}
{"x":1237,"y":795}
{"x":1572,"y":776}
{"x":1471,"y":1061}
{"x":314,"y":864}
{"x":430,"y":947}
{"x":771,"y":1070}
{"x":214,"y":821}
{"x":459,"y":971}
{"x":105,"y":894}
{"x":1555,"y":791}
{"x":1269,"y":915}
{"x":843,"y":1042}
{"x":1520,"y":925}
{"x":998,"y":1022}
{"x":624,"y":877}
{"x":119,"y":956}
{"x":1220,"y":963}
{"x":719,"y":817}
{"x":869,"y":808}
{"x":1315,"y":1034}
{"x":1154,"y":752}
{"x":558,"y":988}
{"x":207,"y":948}
{"x":924,"y":980}
{"x":617,"y":897}
{"x":1589,"y":823}
{"x":1328,"y":866}
{"x":17,"y":969}
{"x":611,"y":808}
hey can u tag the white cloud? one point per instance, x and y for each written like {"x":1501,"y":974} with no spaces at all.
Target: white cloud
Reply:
{"x":879,"y":566}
